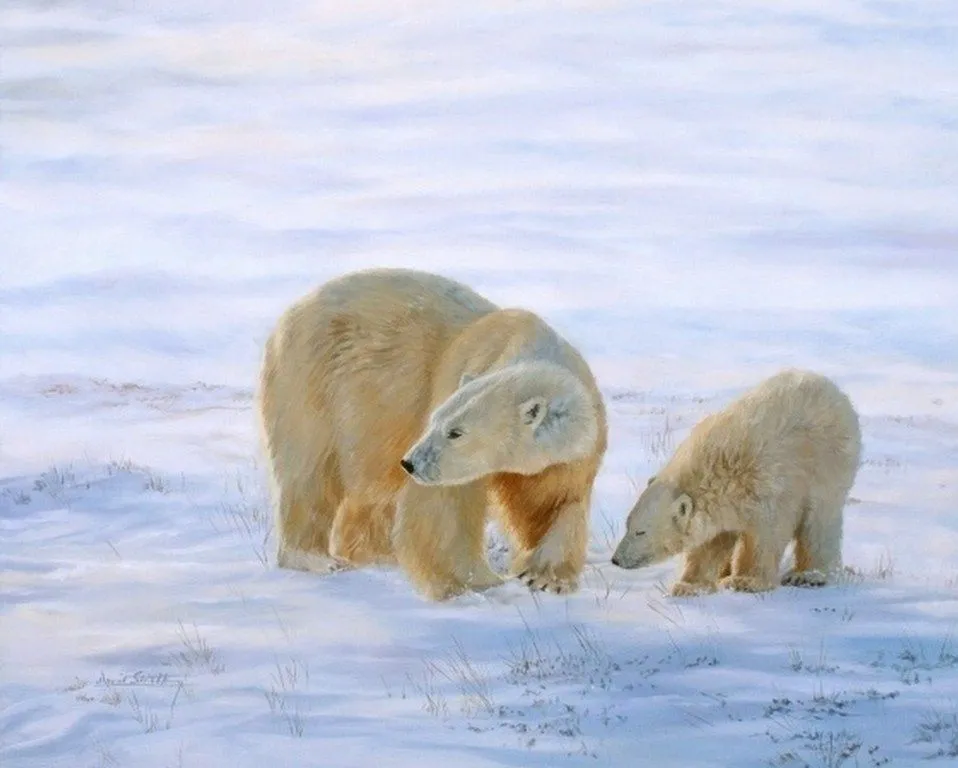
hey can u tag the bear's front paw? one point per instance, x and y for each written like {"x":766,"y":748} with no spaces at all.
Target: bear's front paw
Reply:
{"x":745,"y":584}
{"x":484,"y":579}
{"x":688,"y":589}
{"x":548,"y":580}
{"x":804,"y":579}
{"x":313,"y":562}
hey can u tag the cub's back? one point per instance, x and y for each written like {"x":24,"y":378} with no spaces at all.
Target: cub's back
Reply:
{"x":801,"y":420}
{"x":796,"y":400}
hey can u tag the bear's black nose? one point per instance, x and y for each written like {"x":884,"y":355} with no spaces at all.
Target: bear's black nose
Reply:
{"x":615,"y":560}
{"x":407,"y":465}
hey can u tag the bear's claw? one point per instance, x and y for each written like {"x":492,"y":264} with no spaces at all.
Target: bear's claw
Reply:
{"x":541,"y":582}
{"x":804,"y":579}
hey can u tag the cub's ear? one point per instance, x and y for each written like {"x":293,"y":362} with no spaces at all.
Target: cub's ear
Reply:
{"x":466,"y":378}
{"x":651,"y":480}
{"x":683,"y":509}
{"x":533,"y":411}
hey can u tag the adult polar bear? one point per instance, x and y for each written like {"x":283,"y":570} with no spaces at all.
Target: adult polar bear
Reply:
{"x":395,"y":405}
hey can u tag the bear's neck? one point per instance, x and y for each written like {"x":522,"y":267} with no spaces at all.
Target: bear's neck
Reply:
{"x":723,"y":483}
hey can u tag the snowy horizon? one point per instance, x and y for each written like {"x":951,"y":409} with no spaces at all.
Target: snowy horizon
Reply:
{"x":696,"y":195}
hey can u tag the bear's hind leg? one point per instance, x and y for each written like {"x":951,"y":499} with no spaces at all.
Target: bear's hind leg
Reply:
{"x":705,"y":565}
{"x":818,"y":544}
{"x":303,"y":525}
{"x":362,"y":533}
{"x":439,"y":538}
{"x":304,"y":516}
{"x":305,"y":479}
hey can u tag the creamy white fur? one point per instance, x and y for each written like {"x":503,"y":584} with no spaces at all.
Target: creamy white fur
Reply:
{"x":373,"y":362}
{"x":776,"y":465}
{"x":521,"y":418}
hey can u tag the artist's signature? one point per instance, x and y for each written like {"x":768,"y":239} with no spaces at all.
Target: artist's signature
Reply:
{"x":136,"y":678}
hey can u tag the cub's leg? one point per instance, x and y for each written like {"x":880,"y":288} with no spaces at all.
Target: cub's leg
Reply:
{"x":755,"y":563}
{"x":705,"y":565}
{"x":818,"y":544}
{"x":439,"y":539}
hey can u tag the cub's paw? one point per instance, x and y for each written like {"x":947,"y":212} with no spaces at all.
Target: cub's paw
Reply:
{"x":688,"y":589}
{"x":745,"y":584}
{"x":804,"y":579}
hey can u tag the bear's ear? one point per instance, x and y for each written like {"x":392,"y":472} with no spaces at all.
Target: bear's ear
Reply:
{"x":683,"y":509}
{"x":466,"y":378}
{"x":651,"y":480}
{"x":533,"y":411}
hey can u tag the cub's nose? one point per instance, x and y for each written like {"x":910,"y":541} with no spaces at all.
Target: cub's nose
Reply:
{"x":615,"y":560}
{"x":407,"y":465}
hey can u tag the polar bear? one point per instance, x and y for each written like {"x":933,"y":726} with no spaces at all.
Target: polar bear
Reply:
{"x":398,"y":408}
{"x":775,"y":466}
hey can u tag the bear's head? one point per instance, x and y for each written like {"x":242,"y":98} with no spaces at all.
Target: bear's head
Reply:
{"x":522,"y":418}
{"x":664,"y":522}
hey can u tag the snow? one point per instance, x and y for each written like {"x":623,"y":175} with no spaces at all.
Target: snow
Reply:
{"x":696,"y":194}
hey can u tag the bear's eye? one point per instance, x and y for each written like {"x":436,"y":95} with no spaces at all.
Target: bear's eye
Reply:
{"x":639,"y":533}
{"x":454,"y":434}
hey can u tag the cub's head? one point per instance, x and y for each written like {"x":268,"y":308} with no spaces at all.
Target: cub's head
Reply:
{"x":664,"y":522}
{"x":521,"y":419}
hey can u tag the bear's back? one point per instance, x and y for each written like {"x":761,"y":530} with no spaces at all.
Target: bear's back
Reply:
{"x":380,"y":318}
{"x":385,"y":293}
{"x":797,"y":401}
{"x":799,"y":425}
{"x":517,"y":335}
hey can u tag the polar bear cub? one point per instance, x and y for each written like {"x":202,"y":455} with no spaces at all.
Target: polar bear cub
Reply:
{"x":775,"y":466}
